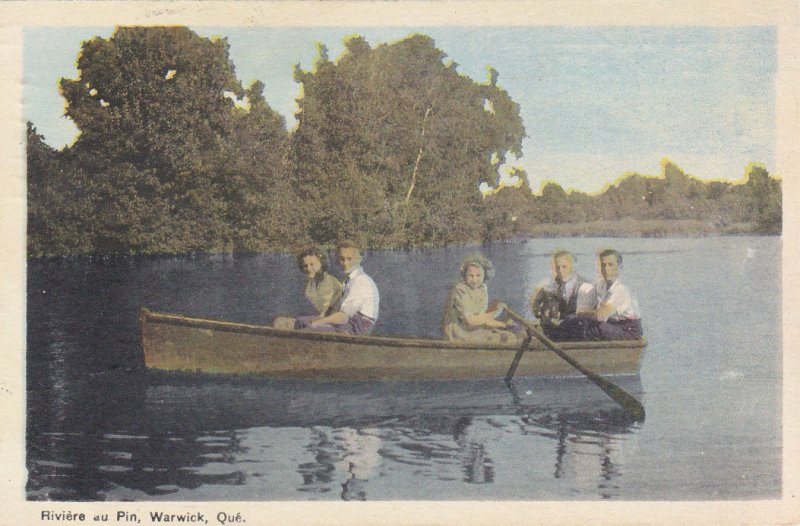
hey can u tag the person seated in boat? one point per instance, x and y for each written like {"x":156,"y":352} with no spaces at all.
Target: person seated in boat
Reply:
{"x":563,"y":294}
{"x":322,"y":291}
{"x":358,"y":310}
{"x":467,"y":313}
{"x":616,"y":315}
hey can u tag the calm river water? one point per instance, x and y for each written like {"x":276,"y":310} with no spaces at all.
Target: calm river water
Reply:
{"x":100,"y":427}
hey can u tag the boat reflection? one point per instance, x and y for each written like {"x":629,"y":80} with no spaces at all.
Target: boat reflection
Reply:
{"x":341,"y":439}
{"x":184,"y":436}
{"x":227,"y":402}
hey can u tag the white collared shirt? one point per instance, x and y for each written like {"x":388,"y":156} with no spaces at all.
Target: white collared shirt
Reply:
{"x":625,"y":305}
{"x":587,"y":296}
{"x":360,"y":294}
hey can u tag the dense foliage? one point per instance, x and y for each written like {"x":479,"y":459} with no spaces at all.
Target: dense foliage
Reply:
{"x":403,"y":139}
{"x":673,"y":203}
{"x":175,"y":156}
{"x":165,"y":160}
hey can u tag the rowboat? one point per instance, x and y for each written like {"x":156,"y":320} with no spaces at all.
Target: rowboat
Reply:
{"x":175,"y":342}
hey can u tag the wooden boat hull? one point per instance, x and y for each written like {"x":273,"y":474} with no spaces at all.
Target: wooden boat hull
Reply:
{"x":180,"y":343}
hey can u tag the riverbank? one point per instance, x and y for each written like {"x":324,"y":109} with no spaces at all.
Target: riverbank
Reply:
{"x":627,"y":228}
{"x":642,"y":228}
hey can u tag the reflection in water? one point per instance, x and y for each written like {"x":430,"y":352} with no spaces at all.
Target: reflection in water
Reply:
{"x":265,"y":439}
{"x":478,"y":467}
{"x":317,"y":475}
{"x":445,"y":431}
{"x":195,"y":432}
{"x":153,"y":465}
{"x":587,"y":443}
{"x":340,"y":450}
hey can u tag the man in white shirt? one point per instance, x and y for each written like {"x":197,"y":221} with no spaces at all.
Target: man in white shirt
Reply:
{"x":616,"y":316}
{"x":358,"y":311}
{"x":574,"y":294}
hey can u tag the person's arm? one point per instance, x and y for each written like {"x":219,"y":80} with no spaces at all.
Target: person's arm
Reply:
{"x":620,"y":304}
{"x":488,"y":318}
{"x":604,"y":311}
{"x":330,"y":293}
{"x":484,"y":319}
{"x":337,"y":318}
{"x":350,"y":305}
{"x":607,"y":308}
{"x":587,"y":299}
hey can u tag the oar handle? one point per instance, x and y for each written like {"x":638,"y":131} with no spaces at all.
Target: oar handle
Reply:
{"x":516,"y":317}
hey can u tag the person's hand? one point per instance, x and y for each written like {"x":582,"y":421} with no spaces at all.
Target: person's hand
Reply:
{"x":496,"y":308}
{"x":604,"y":310}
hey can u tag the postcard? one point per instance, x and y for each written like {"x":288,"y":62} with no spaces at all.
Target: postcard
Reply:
{"x":409,"y":262}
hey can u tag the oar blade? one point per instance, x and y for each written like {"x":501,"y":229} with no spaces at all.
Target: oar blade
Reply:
{"x":625,"y":400}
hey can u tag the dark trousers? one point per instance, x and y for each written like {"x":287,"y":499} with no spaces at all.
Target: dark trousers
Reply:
{"x":579,"y":327}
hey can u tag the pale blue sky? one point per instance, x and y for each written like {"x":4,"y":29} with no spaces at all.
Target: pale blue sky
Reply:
{"x":596,"y":102}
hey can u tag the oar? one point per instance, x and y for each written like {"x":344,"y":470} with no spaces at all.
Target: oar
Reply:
{"x":630,"y":404}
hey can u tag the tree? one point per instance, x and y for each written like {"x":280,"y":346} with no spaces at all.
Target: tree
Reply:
{"x":553,"y":204}
{"x":508,"y":211}
{"x":152,"y":96}
{"x":765,"y":199}
{"x":59,"y":201}
{"x":392,"y":143}
{"x":174,"y":164}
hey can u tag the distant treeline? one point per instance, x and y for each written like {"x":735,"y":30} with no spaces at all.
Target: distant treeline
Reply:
{"x":176,"y":156}
{"x":671,"y":204}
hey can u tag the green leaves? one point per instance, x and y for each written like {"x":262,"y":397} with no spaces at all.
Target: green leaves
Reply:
{"x":397,"y":142}
{"x":167,"y":160}
{"x":674,"y":203}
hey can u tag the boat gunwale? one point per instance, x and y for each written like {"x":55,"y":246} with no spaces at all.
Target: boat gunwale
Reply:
{"x":146,"y":315}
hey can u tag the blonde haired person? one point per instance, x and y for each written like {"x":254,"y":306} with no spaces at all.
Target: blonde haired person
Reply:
{"x":566,"y":290}
{"x":467,"y":314}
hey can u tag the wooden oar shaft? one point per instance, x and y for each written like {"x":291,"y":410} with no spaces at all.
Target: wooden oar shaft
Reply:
{"x":616,"y":393}
{"x":517,"y":358}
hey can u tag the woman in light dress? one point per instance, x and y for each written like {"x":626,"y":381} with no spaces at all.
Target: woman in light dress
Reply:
{"x":467,"y":314}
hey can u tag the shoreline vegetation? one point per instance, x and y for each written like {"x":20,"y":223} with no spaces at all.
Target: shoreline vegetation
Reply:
{"x":658,"y":230}
{"x":392,"y":145}
{"x":652,"y":228}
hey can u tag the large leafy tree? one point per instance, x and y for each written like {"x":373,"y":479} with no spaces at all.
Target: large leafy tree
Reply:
{"x":58,"y":201}
{"x":392,"y":144}
{"x":174,"y":164}
{"x":152,"y":96}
